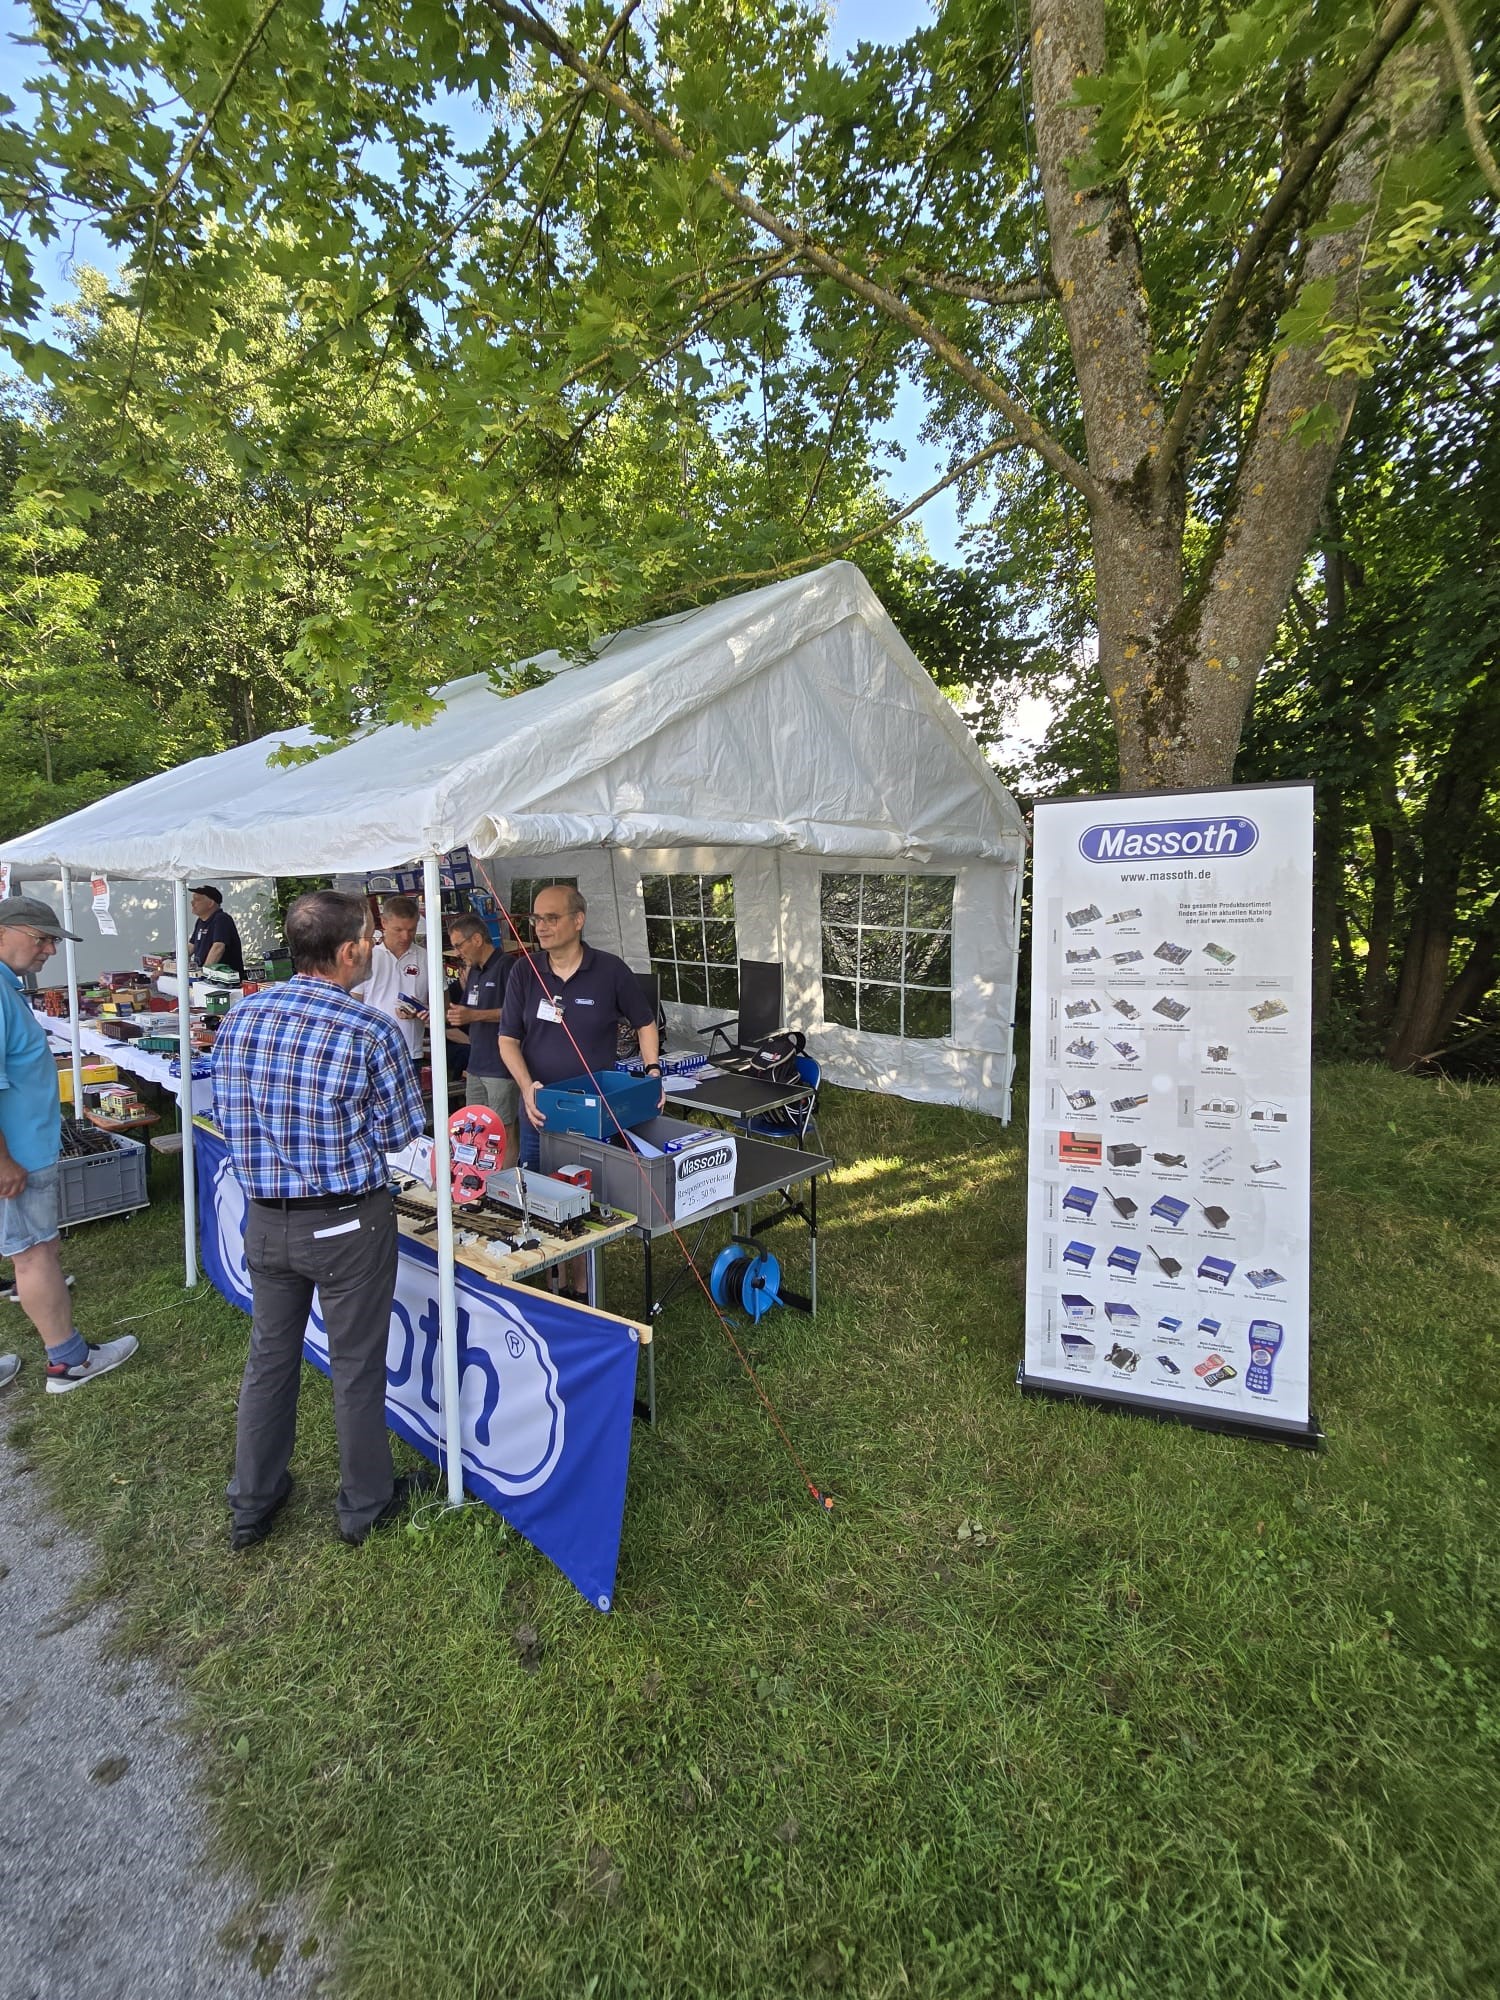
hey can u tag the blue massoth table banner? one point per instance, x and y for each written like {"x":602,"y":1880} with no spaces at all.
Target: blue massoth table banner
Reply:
{"x":547,"y":1390}
{"x":1171,"y":1079}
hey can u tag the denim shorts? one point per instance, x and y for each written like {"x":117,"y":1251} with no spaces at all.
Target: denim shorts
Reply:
{"x":32,"y":1217}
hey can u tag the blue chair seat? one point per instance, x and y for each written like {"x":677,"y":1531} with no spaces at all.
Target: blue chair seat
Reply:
{"x":792,"y":1122}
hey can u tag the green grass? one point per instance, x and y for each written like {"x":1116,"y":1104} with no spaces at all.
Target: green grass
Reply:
{"x":1191,"y":1716}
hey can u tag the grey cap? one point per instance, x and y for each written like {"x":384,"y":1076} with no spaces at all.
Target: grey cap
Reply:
{"x":35,"y":915}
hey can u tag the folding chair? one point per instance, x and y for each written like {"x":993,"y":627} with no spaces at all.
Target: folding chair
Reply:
{"x":795,"y":1120}
{"x":759,"y":1015}
{"x":650,"y":985}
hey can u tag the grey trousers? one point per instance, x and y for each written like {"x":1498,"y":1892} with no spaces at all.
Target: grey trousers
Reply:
{"x":500,"y":1093}
{"x":348,"y":1255}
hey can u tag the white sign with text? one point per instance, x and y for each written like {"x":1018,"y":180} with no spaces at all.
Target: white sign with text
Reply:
{"x":1171,"y":1016}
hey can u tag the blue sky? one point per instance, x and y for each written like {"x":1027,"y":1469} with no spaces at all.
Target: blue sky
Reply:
{"x":851,"y":21}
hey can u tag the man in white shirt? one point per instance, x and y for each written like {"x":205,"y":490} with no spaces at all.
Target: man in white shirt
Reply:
{"x":396,"y":983}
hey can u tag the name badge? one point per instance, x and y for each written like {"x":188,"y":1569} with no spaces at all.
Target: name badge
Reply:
{"x":549,"y":1011}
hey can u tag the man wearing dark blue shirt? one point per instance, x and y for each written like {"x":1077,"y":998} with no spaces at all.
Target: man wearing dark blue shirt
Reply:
{"x":563,"y":1006}
{"x":216,"y":938}
{"x":312,"y":1089}
{"x":485,"y":970}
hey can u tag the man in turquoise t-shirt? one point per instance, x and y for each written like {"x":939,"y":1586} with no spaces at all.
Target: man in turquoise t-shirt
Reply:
{"x":30,"y":1144}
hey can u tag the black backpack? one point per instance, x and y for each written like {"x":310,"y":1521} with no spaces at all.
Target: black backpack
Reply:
{"x":775,"y":1061}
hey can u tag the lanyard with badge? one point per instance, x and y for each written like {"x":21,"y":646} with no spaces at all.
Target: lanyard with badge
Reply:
{"x":550,"y":1010}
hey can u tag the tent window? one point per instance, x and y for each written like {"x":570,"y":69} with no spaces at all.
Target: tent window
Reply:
{"x":525,"y":888}
{"x":888,"y":954}
{"x":690,"y":936}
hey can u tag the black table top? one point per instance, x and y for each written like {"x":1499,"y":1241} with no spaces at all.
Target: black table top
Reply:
{"x":735,"y":1096}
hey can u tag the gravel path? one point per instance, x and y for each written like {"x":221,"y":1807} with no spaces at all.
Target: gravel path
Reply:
{"x":105,"y":1892}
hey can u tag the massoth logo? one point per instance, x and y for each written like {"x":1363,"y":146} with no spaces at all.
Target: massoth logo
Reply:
{"x":1168,"y":839}
{"x":513,"y":1409}
{"x":228,"y":1199}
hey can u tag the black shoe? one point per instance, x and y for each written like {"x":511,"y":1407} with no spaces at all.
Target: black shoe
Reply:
{"x":252,"y":1532}
{"x":406,"y":1489}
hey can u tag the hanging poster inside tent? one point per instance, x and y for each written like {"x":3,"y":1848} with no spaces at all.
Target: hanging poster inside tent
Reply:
{"x":4,"y":880}
{"x":99,"y":884}
{"x":1171,"y":1073}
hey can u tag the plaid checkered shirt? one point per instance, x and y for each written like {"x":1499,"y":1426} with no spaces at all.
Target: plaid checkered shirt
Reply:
{"x":311,"y":1090}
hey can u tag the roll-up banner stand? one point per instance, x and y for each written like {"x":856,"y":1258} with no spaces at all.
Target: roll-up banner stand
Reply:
{"x":1171,"y":1074}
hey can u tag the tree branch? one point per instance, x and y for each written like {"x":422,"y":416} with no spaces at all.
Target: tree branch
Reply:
{"x":616,"y":28}
{"x":837,"y":549}
{"x":1294,"y":181}
{"x":231,"y":77}
{"x":1027,"y":430}
{"x":1458,"y":49}
{"x":1027,"y":292}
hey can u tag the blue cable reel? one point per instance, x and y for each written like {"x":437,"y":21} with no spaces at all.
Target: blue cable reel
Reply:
{"x":749,"y":1279}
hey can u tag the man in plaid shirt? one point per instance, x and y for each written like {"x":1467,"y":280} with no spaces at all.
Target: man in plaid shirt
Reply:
{"x":311,"y":1089}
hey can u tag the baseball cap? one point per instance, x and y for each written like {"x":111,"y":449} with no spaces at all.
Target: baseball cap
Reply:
{"x":208,"y":889}
{"x":35,"y":915}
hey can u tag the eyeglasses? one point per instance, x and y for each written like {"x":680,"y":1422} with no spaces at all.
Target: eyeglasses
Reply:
{"x":549,"y":916}
{"x":37,"y":937}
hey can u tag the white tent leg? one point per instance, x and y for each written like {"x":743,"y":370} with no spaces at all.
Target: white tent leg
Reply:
{"x":70,"y":964}
{"x":1015,"y":982}
{"x":437,"y":1011}
{"x":185,"y":1102}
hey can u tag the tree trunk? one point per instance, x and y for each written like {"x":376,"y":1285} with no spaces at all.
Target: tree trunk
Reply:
{"x":1375,"y":997}
{"x":1178,"y":661}
{"x":1328,"y":875}
{"x":1426,"y":1003}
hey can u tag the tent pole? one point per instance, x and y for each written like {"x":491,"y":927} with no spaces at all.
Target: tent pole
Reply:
{"x":437,"y":1014}
{"x":1015,"y":977}
{"x":70,"y":971}
{"x":185,"y":1101}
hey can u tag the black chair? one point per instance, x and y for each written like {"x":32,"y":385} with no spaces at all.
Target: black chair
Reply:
{"x":650,"y":985}
{"x":759,"y":1015}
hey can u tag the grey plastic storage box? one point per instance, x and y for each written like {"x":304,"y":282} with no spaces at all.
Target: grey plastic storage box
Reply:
{"x":646,"y":1189}
{"x":93,"y":1185}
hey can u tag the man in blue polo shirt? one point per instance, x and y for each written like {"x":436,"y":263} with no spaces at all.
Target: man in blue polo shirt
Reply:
{"x":485,"y":972}
{"x":30,"y":1146}
{"x":563,"y":1004}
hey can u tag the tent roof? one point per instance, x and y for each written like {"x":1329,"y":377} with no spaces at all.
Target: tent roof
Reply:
{"x":793,"y":716}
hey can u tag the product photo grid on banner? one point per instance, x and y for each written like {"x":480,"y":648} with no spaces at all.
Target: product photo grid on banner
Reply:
{"x":1169,"y":1215}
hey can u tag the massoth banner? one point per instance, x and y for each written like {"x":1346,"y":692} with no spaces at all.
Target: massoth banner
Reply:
{"x":1171,"y":1076}
{"x":547,"y":1389}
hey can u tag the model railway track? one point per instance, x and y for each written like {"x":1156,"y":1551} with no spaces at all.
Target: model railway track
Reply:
{"x":496,"y":1220}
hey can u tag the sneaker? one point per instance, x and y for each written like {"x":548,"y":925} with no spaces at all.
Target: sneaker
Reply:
{"x":103,"y":1355}
{"x":406,"y":1489}
{"x":10,"y":1368}
{"x":10,"y":1296}
{"x":246,"y":1535}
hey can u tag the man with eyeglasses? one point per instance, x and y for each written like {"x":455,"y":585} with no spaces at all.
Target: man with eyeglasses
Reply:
{"x":30,"y":1147}
{"x":563,"y":1004}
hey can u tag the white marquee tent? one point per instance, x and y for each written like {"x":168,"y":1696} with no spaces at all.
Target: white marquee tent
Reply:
{"x":778,"y":738}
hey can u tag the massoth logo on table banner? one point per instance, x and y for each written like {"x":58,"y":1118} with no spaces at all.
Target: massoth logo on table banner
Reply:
{"x":547,"y":1391}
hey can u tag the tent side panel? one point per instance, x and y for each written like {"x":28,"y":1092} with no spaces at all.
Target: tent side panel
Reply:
{"x":970,"y":1066}
{"x":143,"y":920}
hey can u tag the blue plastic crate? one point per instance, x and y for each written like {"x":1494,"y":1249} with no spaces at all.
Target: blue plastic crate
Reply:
{"x":596,"y":1107}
